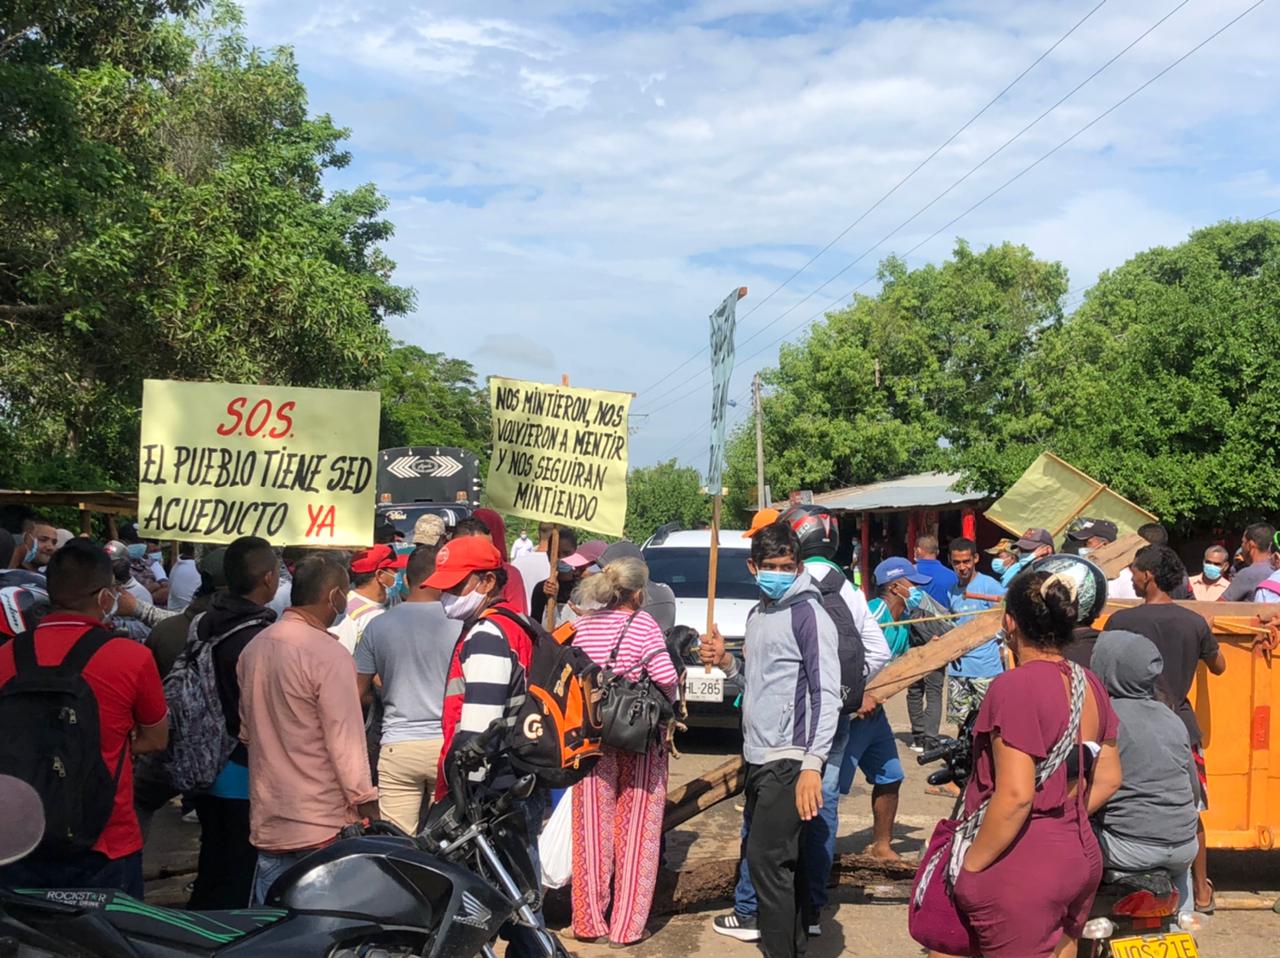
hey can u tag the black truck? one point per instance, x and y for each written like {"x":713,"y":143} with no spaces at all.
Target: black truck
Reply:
{"x":415,"y":480}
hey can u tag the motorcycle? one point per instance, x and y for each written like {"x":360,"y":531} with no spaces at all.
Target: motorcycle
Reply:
{"x":376,"y":892}
{"x":1134,"y":915}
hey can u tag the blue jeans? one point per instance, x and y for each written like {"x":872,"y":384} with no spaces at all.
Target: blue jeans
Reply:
{"x":270,"y":867}
{"x":818,"y":848}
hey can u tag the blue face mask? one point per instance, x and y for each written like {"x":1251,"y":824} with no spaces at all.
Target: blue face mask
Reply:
{"x":34,"y":551}
{"x":775,"y":584}
{"x":400,"y":587}
{"x":155,"y":556}
{"x":137,"y":550}
{"x":1011,"y":571}
{"x":914,"y":598}
{"x":997,"y":566}
{"x":1212,"y":573}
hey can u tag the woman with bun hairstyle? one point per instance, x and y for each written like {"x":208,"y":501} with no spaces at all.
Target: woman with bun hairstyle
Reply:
{"x":1028,"y":880}
{"x":617,"y":808}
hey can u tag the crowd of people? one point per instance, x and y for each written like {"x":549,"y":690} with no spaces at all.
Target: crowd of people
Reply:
{"x":337,"y":684}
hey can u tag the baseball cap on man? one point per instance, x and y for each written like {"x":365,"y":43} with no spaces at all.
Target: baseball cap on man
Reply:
{"x":458,"y":558}
{"x":1033,"y":539}
{"x":428,"y":530}
{"x":765,"y":517}
{"x":1004,"y":545}
{"x":900,"y":568}
{"x":622,"y":549}
{"x":1084,"y":529}
{"x":378,"y":557}
{"x":588,"y":553}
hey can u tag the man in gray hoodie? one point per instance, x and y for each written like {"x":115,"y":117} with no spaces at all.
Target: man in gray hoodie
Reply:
{"x":1150,"y":822}
{"x":790,"y":704}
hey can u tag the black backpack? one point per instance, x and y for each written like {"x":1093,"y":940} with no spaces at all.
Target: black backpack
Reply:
{"x":853,"y":656}
{"x":52,"y":741}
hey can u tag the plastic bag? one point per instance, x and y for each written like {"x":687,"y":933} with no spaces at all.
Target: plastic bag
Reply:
{"x":555,"y":845}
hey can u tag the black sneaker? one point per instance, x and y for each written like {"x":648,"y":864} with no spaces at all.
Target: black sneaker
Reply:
{"x":742,"y":927}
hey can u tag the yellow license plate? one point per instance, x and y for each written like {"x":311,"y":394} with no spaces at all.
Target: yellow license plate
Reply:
{"x":1176,"y":944}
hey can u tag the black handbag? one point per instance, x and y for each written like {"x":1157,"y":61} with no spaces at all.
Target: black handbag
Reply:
{"x":632,"y":711}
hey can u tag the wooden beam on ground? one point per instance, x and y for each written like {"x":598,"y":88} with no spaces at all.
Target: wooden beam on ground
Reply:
{"x":702,"y":883}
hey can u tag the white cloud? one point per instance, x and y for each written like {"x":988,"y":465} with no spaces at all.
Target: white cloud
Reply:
{"x":595,"y":177}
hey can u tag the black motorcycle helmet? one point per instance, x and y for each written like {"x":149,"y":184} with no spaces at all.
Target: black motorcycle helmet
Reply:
{"x":1091,"y":583}
{"x":816,"y":528}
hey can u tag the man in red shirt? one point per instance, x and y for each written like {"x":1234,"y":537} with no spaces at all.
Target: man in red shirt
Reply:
{"x":123,"y":678}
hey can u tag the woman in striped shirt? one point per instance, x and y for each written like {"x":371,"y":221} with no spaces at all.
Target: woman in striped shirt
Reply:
{"x":617,"y":808}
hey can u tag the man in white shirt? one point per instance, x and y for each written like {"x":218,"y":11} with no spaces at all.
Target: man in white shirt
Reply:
{"x":533,"y":566}
{"x":522,"y":546}
{"x":184,"y":578}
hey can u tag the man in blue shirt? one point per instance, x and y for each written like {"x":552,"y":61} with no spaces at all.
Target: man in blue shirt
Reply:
{"x":924,"y":697}
{"x":969,"y":676}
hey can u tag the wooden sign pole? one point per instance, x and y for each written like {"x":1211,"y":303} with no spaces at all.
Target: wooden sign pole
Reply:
{"x":553,"y":558}
{"x":714,"y":565}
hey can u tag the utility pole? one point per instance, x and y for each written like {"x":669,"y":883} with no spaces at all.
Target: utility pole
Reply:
{"x":755,"y":395}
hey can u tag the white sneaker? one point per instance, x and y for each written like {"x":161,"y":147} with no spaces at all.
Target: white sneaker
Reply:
{"x":741,"y":927}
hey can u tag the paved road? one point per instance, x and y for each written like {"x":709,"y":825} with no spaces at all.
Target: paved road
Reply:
{"x":857,"y":927}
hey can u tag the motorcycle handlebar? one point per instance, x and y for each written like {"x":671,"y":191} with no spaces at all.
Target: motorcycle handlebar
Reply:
{"x":936,"y":754}
{"x":467,"y":758}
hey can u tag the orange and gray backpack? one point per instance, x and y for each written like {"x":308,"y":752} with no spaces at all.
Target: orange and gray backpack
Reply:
{"x":555,"y":733}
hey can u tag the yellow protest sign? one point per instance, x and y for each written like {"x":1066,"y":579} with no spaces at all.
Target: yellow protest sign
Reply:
{"x":222,"y":460}
{"x":559,"y":454}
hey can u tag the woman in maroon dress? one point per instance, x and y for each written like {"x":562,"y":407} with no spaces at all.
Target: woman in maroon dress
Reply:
{"x":1029,"y":878}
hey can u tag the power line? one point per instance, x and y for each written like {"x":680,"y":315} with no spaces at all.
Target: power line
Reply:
{"x":974,"y":169}
{"x":1101,"y":116}
{"x":902,"y":182}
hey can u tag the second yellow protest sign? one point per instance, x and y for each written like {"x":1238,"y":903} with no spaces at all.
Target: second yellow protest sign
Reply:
{"x":559,"y":454}
{"x":294,"y":466}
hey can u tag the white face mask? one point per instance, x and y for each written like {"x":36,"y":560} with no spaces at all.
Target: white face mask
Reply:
{"x":341,"y":613}
{"x":109,"y":614}
{"x":462,"y":607}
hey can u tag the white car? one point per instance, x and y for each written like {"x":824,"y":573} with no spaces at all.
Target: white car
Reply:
{"x":682,"y":560}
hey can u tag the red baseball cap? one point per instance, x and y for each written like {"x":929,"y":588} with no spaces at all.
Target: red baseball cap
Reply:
{"x":458,"y":558}
{"x":378,"y":557}
{"x":588,"y":553}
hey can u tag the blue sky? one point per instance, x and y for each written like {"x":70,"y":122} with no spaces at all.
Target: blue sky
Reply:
{"x":576,"y":186}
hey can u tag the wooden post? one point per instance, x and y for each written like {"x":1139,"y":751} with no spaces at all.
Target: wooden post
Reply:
{"x":913,"y":533}
{"x":866,"y":554}
{"x":86,"y":522}
{"x":112,"y":531}
{"x":969,"y":524}
{"x":713,"y":564}
{"x":553,"y":554}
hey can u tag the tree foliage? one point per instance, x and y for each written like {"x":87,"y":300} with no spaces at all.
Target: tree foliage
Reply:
{"x":429,"y":399}
{"x":898,"y":381}
{"x":164,"y":216}
{"x":1162,"y":384}
{"x":662,"y":493}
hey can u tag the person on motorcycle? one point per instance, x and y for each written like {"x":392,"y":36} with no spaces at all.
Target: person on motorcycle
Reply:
{"x":486,"y":679}
{"x":1150,"y":822}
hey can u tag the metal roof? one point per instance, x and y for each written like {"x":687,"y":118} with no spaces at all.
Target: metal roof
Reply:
{"x":928,"y":490}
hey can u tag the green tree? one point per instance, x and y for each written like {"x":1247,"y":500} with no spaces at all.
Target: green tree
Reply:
{"x":664,"y":493}
{"x":1163,"y":383}
{"x":429,"y":399}
{"x":902,"y":381}
{"x":164,"y":216}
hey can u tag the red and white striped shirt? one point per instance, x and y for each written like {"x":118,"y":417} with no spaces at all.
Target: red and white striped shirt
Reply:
{"x":597,"y":632}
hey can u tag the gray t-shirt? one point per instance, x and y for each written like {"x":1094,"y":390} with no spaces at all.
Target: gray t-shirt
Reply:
{"x":1245,"y":582}
{"x":409,"y":647}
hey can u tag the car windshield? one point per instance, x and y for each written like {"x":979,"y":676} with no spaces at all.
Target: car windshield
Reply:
{"x":685,"y":570}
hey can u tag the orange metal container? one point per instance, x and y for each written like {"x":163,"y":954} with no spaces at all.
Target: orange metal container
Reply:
{"x":1239,"y":715}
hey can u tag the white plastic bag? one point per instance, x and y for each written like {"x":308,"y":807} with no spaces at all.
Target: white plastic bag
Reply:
{"x":555,"y":845}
